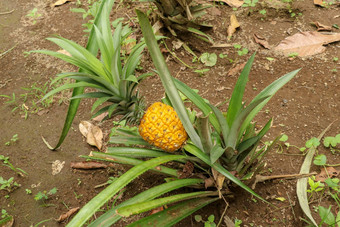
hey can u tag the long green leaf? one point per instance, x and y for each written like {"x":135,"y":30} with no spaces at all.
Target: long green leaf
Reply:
{"x":111,"y":217}
{"x":137,"y":208}
{"x":173,"y":214}
{"x":166,"y":78}
{"x":204,"y":157}
{"x":69,"y":86}
{"x":235,"y":103}
{"x":135,"y":152}
{"x":222,"y":122}
{"x":269,"y":91}
{"x":100,"y":199}
{"x":199,"y":102}
{"x":93,"y":48}
{"x":238,"y":121}
{"x":301,"y":185}
{"x":130,"y":161}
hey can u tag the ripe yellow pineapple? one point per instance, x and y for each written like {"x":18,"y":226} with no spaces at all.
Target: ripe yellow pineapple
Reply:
{"x":161,"y":127}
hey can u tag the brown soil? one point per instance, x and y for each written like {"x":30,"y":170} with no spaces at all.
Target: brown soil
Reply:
{"x":302,"y":109}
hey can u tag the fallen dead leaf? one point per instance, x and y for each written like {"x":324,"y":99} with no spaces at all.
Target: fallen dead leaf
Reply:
{"x":233,"y":71}
{"x":57,"y":166}
{"x":321,"y":27}
{"x":319,"y":3}
{"x":219,"y":179}
{"x":88,"y":165}
{"x":93,"y":134}
{"x":262,"y":41}
{"x":177,"y":44}
{"x":323,"y":175}
{"x":59,"y":3}
{"x":66,"y":215}
{"x":231,"y":3}
{"x":233,"y":26}
{"x":306,"y":43}
{"x":209,"y":182}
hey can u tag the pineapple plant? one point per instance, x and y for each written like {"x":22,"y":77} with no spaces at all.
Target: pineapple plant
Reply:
{"x":112,"y":76}
{"x":217,"y":144}
{"x":161,"y":127}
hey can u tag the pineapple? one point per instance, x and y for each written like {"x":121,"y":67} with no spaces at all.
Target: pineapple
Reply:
{"x":161,"y":127}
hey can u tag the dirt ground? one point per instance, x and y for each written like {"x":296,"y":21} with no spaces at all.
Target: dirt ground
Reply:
{"x":302,"y":109}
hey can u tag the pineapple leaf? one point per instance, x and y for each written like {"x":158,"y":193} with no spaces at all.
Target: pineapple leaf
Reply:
{"x":90,"y":95}
{"x":174,"y":214}
{"x":130,"y":161}
{"x":135,"y":152}
{"x":235,"y":127}
{"x":98,"y":102}
{"x":92,"y":47}
{"x":199,"y":102}
{"x":235,"y":103}
{"x":69,"y":86}
{"x":268,"y":92}
{"x":223,"y":123}
{"x":166,"y":78}
{"x":100,"y":199}
{"x":216,"y":152}
{"x":204,"y":157}
{"x":111,"y":217}
{"x":137,"y":208}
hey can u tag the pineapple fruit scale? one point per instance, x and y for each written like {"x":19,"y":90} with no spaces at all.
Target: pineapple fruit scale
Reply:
{"x":161,"y":127}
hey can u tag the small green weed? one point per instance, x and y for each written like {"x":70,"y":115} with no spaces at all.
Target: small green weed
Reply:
{"x":208,"y":59}
{"x":34,"y":15}
{"x":331,"y":143}
{"x":4,"y":214}
{"x":12,"y":140}
{"x":91,"y":11}
{"x":43,"y":196}
{"x":241,"y":51}
{"x":8,"y":185}
{"x":314,"y":186}
{"x":201,"y":72}
{"x":7,"y":163}
{"x":208,"y":223}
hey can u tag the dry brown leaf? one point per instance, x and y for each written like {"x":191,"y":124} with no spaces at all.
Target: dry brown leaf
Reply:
{"x":93,"y":134}
{"x":319,"y":3}
{"x":88,"y":165}
{"x":323,"y":175}
{"x":57,"y":166}
{"x":233,"y":71}
{"x":321,"y":27}
{"x":233,"y":26}
{"x":231,"y":3}
{"x":59,"y":3}
{"x":209,"y":182}
{"x":219,"y":178}
{"x":262,"y":41}
{"x":306,"y":43}
{"x":66,"y":215}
